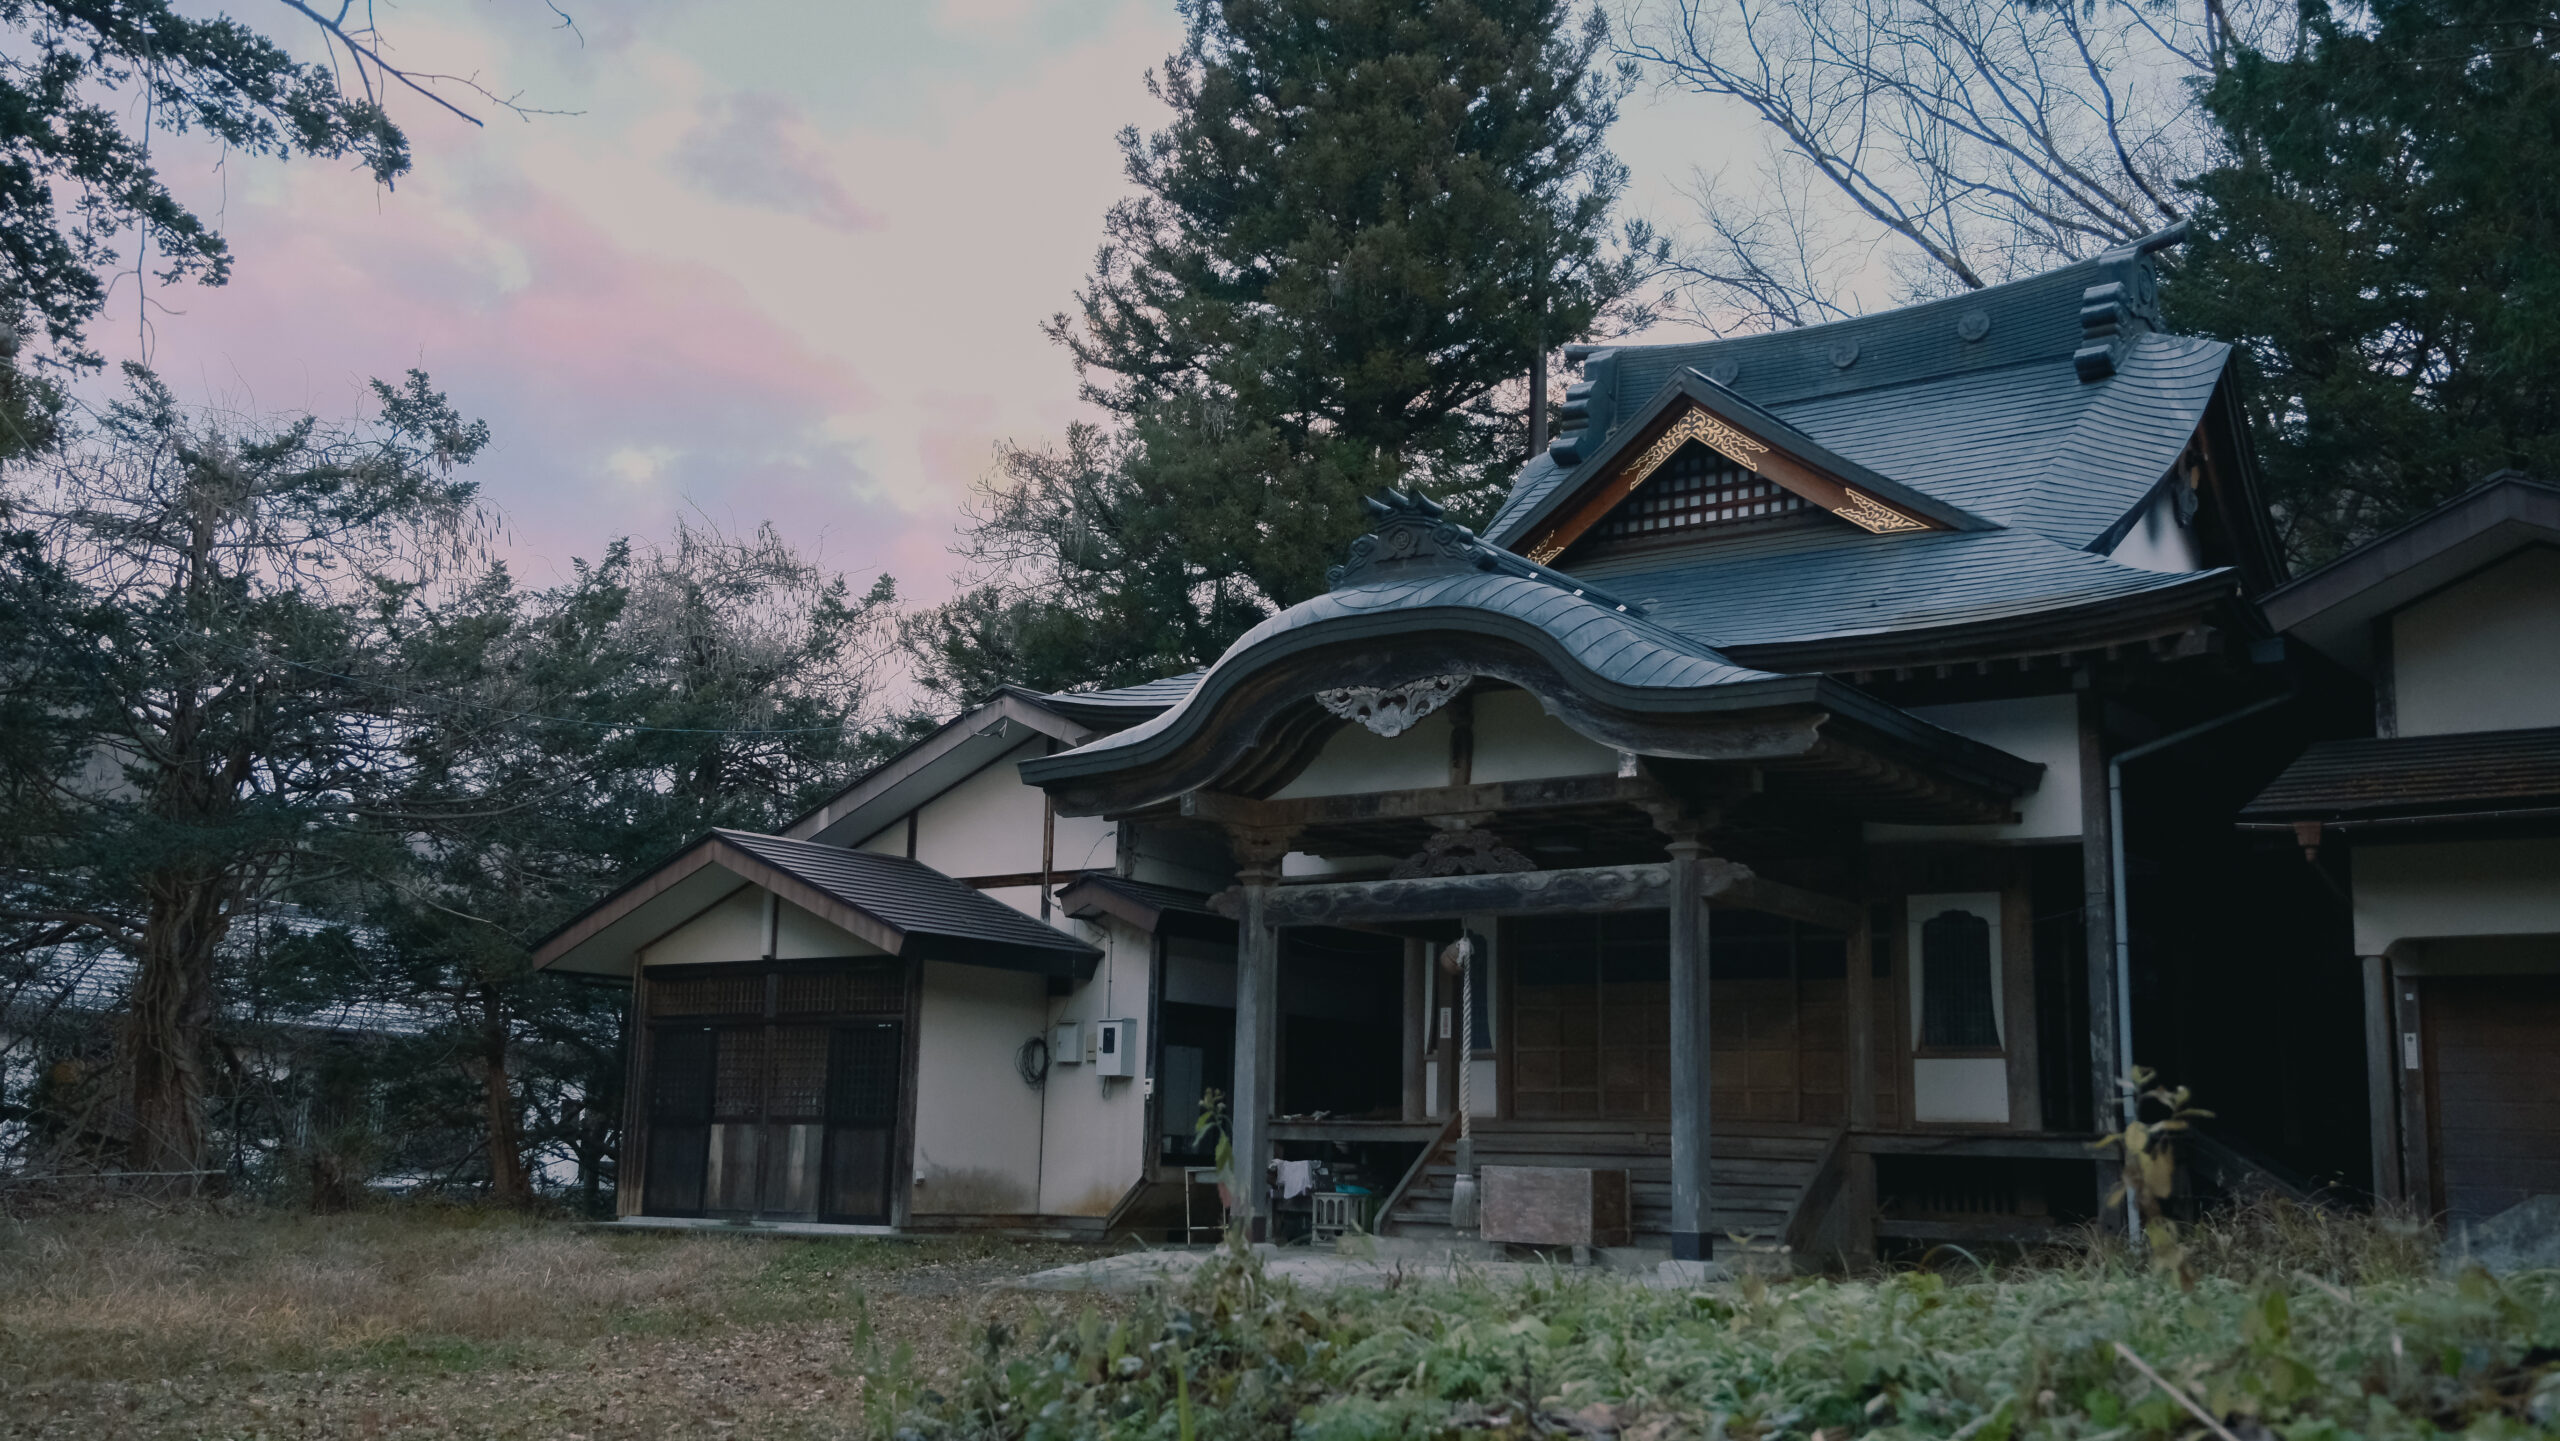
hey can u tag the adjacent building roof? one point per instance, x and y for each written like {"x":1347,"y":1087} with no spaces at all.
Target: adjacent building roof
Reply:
{"x":2333,"y":608}
{"x":903,"y":907}
{"x":957,"y":749}
{"x":1124,"y":705}
{"x":2471,"y":775}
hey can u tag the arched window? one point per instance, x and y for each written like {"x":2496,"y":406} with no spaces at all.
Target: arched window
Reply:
{"x":1955,"y":983}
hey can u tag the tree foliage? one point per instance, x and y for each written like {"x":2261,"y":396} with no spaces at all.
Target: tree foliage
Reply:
{"x":1364,"y":224}
{"x":2384,"y":245}
{"x":270,"y":669}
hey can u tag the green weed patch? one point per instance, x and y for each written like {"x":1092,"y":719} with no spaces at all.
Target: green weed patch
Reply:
{"x":2084,"y":1352}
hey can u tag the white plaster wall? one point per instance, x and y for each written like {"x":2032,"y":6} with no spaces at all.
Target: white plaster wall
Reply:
{"x":1516,"y":740}
{"x":2043,"y":728}
{"x":977,"y":1126}
{"x":1026,"y":899}
{"x":731,"y":930}
{"x":890,"y":842}
{"x":2455,"y":888}
{"x":1357,"y":760}
{"x":1958,"y":1088}
{"x":986,"y":825}
{"x":801,"y":935}
{"x":2158,"y":541}
{"x":2480,"y":655}
{"x":1093,"y":1137}
{"x":1971,"y":1088}
{"x":1085,"y":843}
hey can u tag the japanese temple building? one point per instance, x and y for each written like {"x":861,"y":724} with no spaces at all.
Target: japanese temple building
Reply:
{"x":1832,"y":753}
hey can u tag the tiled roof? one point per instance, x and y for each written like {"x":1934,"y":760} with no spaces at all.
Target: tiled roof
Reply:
{"x":1618,"y":647}
{"x":1121,"y":705}
{"x":2478,"y":773}
{"x":922,"y":903}
{"x":1807,"y":583}
{"x":1989,"y":402}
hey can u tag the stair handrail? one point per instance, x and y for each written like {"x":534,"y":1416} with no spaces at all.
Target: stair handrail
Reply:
{"x":1821,"y":1189}
{"x":1414,"y":1173}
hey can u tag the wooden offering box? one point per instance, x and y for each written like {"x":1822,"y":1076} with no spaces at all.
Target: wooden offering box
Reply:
{"x":1554,"y":1206}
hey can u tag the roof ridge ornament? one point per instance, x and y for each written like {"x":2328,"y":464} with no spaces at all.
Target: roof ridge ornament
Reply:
{"x":1412,"y":531}
{"x":2114,"y":313}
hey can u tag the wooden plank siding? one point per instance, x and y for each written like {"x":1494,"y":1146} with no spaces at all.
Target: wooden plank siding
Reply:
{"x":2493,"y":1116}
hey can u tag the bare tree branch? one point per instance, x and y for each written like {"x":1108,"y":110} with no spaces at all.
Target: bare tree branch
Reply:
{"x":1973,"y":140}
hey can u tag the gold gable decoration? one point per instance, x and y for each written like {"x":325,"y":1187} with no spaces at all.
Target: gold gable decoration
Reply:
{"x":1874,"y":516}
{"x":1754,"y":456}
{"x":1699,"y":426}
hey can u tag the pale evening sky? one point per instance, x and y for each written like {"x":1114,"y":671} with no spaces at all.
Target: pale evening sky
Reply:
{"x":787,"y":260}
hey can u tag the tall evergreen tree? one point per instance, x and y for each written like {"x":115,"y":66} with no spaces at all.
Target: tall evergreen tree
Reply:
{"x":1366,"y":225}
{"x":2384,"y":244}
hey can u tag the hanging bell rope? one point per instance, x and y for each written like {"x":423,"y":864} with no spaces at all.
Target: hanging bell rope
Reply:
{"x":1462,"y":1190}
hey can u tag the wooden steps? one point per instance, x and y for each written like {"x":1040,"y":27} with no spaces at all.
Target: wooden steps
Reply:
{"x":1757,"y":1171}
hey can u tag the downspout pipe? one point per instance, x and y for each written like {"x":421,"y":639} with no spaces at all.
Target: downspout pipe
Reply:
{"x":2116,"y":877}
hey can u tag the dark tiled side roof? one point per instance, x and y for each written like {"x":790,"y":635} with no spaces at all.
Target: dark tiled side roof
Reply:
{"x":914,"y":898}
{"x":2480,"y":772}
{"x":1827,"y":581}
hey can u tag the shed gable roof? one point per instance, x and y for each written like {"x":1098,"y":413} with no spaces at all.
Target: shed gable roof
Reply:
{"x":903,"y":907}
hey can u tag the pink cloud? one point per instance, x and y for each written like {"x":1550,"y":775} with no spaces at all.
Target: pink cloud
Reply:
{"x":622,"y":388}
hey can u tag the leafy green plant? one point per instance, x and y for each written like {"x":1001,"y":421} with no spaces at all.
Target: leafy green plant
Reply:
{"x":2150,"y":1171}
{"x":2073,"y":1350}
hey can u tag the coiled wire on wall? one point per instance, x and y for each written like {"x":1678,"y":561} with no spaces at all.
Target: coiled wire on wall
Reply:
{"x":1031,"y":1062}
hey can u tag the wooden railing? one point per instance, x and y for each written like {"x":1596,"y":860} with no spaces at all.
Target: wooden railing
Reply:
{"x":1421,"y":1166}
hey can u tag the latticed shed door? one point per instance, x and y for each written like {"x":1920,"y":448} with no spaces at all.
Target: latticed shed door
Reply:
{"x":862,"y":1119}
{"x":681,"y":1059}
{"x":774,"y":1091}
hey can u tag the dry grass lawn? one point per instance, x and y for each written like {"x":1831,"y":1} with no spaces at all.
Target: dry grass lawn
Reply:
{"x":455,"y":1323}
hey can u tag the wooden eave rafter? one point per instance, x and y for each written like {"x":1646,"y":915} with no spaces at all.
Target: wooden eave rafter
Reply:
{"x":1689,"y":420}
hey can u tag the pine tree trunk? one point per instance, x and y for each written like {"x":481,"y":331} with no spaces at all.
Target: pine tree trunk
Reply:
{"x":508,"y":1181}
{"x":166,"y":1025}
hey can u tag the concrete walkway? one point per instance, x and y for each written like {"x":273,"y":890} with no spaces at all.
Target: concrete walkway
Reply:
{"x":1326,"y":1270}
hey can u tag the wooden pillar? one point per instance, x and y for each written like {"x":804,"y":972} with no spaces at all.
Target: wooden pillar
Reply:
{"x":2098,"y":919}
{"x":1257,"y":1065}
{"x":631,"y":1158}
{"x":1858,"y":1183}
{"x":2409,"y":1058}
{"x":1417,"y":1027}
{"x":1692,"y":1077}
{"x":2382,"y":1096}
{"x":1447,"y":1027}
{"x":2098,"y":911}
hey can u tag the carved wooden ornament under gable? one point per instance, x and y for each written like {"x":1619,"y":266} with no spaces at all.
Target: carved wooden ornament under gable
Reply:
{"x":1462,"y":853}
{"x":1394,"y":709}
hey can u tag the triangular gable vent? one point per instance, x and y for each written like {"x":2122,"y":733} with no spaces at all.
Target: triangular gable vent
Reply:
{"x":1772,"y":472}
{"x":1697,"y":490}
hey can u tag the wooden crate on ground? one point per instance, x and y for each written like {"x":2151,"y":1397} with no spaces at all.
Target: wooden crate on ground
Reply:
{"x":1554,"y":1206}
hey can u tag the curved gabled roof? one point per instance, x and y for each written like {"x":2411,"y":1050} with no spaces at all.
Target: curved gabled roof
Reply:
{"x":1423,"y":597}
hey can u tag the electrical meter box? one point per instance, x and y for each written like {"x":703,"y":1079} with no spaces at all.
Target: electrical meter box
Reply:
{"x":1066,"y":1043}
{"x":1115,"y":1048}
